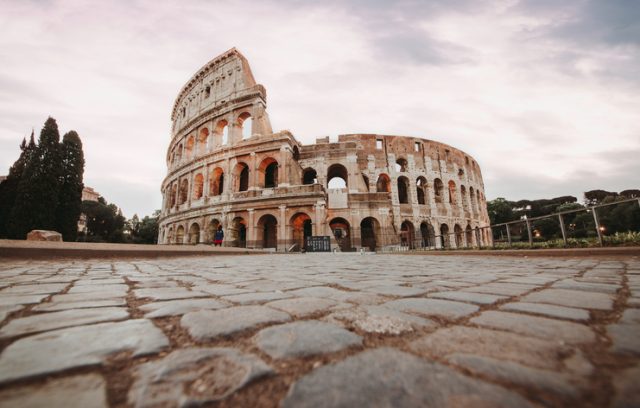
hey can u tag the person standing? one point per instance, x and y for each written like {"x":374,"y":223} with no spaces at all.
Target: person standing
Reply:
{"x":218,"y":236}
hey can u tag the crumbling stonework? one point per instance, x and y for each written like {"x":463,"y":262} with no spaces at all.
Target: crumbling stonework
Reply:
{"x":227,"y":167}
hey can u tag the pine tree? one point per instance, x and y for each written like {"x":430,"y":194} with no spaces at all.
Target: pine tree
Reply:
{"x":71,"y":185}
{"x":39,"y":188}
{"x":9,"y":187}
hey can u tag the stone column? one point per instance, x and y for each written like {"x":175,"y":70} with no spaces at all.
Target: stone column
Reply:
{"x":251,"y":229}
{"x":282,"y":226}
{"x":253,"y":173}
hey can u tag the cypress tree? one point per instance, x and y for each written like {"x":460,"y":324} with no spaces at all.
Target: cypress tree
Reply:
{"x":9,"y":187}
{"x":71,"y":185}
{"x":39,"y":188}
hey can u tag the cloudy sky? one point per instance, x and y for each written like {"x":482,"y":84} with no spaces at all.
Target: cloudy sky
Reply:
{"x":545,"y":94}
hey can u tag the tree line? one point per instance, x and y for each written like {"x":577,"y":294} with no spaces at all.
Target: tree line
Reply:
{"x":43,"y":189}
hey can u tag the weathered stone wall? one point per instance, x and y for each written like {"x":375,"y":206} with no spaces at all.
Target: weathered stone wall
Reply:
{"x":227,"y":167}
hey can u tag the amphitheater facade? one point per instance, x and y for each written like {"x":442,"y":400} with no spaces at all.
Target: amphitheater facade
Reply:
{"x":226,"y":167}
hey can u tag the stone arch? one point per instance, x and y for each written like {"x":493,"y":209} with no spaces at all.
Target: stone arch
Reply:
{"x":268,"y":173}
{"x":222,"y":132}
{"x":472,"y":198}
{"x":369,"y":233}
{"x":457,"y":229}
{"x":309,"y":176}
{"x":421,"y":190}
{"x":341,"y":230}
{"x":427,"y":234}
{"x":452,"y":192}
{"x":169,"y":236}
{"x":268,"y":231}
{"x":245,"y":122}
{"x":438,"y":188}
{"x":212,"y":227}
{"x":174,"y":195}
{"x":445,"y":238}
{"x":184,"y":191}
{"x":383,"y":185}
{"x":178,"y":153}
{"x":403,"y":190}
{"x":216,"y":182}
{"x":241,"y":177}
{"x":301,"y":228}
{"x":401,"y":165}
{"x":198,"y":186}
{"x":203,"y":140}
{"x":180,"y":235}
{"x":236,"y":234}
{"x":190,"y":146}
{"x":463,"y":197}
{"x":407,"y":234}
{"x":468,"y":236}
{"x":194,"y":233}
{"x":337,"y":172}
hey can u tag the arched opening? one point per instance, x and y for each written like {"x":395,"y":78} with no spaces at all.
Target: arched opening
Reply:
{"x":309,"y":176}
{"x":300,"y":230}
{"x":342,"y":232}
{"x":203,"y":141}
{"x":445,"y":239}
{"x":383,"y":185}
{"x":174,"y":194}
{"x":169,"y":236}
{"x":407,"y":235}
{"x":212,"y":227}
{"x":468,"y":236}
{"x":452,"y":192}
{"x":184,"y":191}
{"x":268,"y":231}
{"x":268,"y":173}
{"x":337,"y":176}
{"x":180,"y":235}
{"x":463,"y":197}
{"x":421,"y":190}
{"x":366,"y":182}
{"x":457,"y":229}
{"x":401,"y":165}
{"x":222,"y":132}
{"x":403,"y":190}
{"x":198,"y":186}
{"x":369,"y":230}
{"x":178,"y":153}
{"x":236,"y":234}
{"x":437,"y":190}
{"x":472,"y":198}
{"x":428,"y":235}
{"x":245,"y":122}
{"x":241,"y":174}
{"x":216,"y":182}
{"x":191,"y":143}
{"x":194,"y":234}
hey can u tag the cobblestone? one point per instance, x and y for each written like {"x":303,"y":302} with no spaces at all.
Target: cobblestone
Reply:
{"x":321,"y":330}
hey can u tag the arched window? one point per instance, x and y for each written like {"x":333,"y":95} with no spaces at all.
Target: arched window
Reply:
{"x":269,"y":173}
{"x":203,"y":141}
{"x":401,"y":165}
{"x":421,"y":190}
{"x":337,"y":177}
{"x":191,"y":142}
{"x":179,"y":153}
{"x":403,"y":190}
{"x":246,"y":123}
{"x":198,"y":186}
{"x":472,"y":198}
{"x":407,"y":234}
{"x":241,"y":173}
{"x":174,"y":193}
{"x":437,"y":190}
{"x":184,"y":191}
{"x":180,"y":235}
{"x":383,"y":185}
{"x":309,"y":176}
{"x":194,"y":234}
{"x":457,"y":229}
{"x":268,"y":231}
{"x":452,"y":192}
{"x":216,"y":182}
{"x":222,"y":132}
{"x":463,"y":197}
{"x":445,"y":239}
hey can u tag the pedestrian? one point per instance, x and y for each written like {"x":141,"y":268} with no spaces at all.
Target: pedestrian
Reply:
{"x":218,"y":237}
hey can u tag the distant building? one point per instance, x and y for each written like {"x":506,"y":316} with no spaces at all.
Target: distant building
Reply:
{"x":88,"y":194}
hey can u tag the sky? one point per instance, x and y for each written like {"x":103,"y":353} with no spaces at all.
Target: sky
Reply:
{"x":544,"y":94}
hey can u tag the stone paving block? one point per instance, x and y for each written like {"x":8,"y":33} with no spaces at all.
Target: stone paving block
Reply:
{"x":221,"y":290}
{"x":378,"y":319}
{"x":387,"y":377}
{"x":505,"y":289}
{"x":86,"y":297}
{"x":394,"y":290}
{"x":548,"y":310}
{"x":5,"y":310}
{"x":542,"y":327}
{"x":168,"y":293}
{"x":630,"y":316}
{"x":633,"y":301}
{"x":469,"y":297}
{"x":115,"y":288}
{"x":627,"y":390}
{"x":208,"y":324}
{"x":432,"y":307}
{"x":45,"y":288}
{"x":305,"y":338}
{"x":304,"y":306}
{"x":58,"y":320}
{"x":572,"y":298}
{"x":256,"y":297}
{"x":88,"y":390}
{"x":58,"y":306}
{"x":75,"y":347}
{"x":514,"y":373}
{"x":99,"y":282}
{"x":179,"y":307}
{"x":531,"y":280}
{"x":12,"y":300}
{"x":586,"y":286}
{"x":625,"y":338}
{"x":194,"y":376}
{"x":323,"y":292}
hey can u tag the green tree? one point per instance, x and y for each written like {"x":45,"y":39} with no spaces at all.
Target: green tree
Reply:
{"x":71,"y":185}
{"x":9,"y":187}
{"x":500,"y":210}
{"x":144,"y":231}
{"x":39,"y":188}
{"x":105,"y":222}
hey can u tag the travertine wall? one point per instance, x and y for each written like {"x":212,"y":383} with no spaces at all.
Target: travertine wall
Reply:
{"x":227,"y":167}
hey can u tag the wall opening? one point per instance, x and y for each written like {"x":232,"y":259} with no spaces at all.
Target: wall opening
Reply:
{"x":337,"y":176}
{"x":403,"y":190}
{"x":369,"y":230}
{"x":268,"y":231}
{"x":383,"y":185}
{"x":342,"y":233}
{"x":310,"y":176}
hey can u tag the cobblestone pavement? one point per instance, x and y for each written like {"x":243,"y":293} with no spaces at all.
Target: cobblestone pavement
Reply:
{"x":321,"y":331}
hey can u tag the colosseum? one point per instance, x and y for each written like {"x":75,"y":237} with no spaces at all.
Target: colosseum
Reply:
{"x":226,"y":167}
